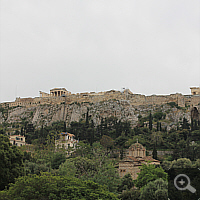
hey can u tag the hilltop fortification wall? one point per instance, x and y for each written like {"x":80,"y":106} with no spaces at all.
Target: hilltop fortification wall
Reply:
{"x":92,"y":97}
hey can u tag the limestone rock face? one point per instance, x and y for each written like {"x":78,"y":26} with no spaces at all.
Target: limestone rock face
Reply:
{"x":1,"y":118}
{"x":123,"y":110}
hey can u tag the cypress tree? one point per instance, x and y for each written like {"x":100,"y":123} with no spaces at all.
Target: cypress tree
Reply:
{"x":150,"y":121}
{"x":154,"y":153}
{"x":64,"y":127}
{"x":121,"y":153}
{"x":192,"y":127}
{"x":158,"y":126}
{"x":185,"y":124}
{"x":195,"y":125}
{"x":87,"y":120}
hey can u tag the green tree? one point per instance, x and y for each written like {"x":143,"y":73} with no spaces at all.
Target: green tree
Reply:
{"x":185,"y":124}
{"x":107,"y":176}
{"x":166,"y":165}
{"x":197,"y":164}
{"x":87,"y":119}
{"x":150,"y":121}
{"x":154,"y":153}
{"x":158,"y":116}
{"x":83,"y":149}
{"x":181,"y":145}
{"x":36,"y":167}
{"x":120,"y":143}
{"x":126,"y":183}
{"x":107,"y":142}
{"x":57,"y":159}
{"x":47,"y":186}
{"x":181,"y":163}
{"x":11,"y":163}
{"x":195,"y":135}
{"x":96,"y":167}
{"x":155,"y":190}
{"x":149,"y":173}
{"x":132,"y":194}
{"x":64,"y":127}
{"x":67,"y":169}
{"x":157,"y":138}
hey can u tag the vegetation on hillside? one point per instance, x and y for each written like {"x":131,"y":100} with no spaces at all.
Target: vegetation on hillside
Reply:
{"x":90,"y":172}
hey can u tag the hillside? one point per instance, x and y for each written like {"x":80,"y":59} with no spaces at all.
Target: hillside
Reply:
{"x":121,"y":109}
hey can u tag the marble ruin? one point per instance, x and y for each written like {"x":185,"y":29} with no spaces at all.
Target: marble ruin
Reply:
{"x":61,"y":95}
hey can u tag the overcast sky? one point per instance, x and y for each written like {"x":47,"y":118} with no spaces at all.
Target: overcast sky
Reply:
{"x":148,"y":46}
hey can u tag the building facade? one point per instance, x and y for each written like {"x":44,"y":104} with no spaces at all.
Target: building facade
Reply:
{"x":61,"y":95}
{"x":17,"y":140}
{"x":135,"y":157}
{"x":55,"y":92}
{"x":195,"y":90}
{"x":66,"y":141}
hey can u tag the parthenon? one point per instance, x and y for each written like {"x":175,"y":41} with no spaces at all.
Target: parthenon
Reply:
{"x":55,"y":92}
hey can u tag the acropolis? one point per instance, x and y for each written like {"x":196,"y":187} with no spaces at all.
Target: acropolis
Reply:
{"x":62,"y":95}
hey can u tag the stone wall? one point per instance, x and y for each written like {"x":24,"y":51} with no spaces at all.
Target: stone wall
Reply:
{"x":195,"y":90}
{"x":161,"y":153}
{"x":92,"y":97}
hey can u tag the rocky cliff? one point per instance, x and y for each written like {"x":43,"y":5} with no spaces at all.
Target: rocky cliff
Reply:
{"x":122,"y":109}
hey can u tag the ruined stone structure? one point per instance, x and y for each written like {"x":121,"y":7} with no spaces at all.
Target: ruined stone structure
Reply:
{"x":56,"y":92}
{"x":135,"y":157}
{"x":61,"y":95}
{"x":195,"y":90}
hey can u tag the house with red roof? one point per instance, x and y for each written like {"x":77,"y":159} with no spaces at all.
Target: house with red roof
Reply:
{"x":66,"y":141}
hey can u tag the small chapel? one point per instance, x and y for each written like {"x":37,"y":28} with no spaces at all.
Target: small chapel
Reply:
{"x":135,"y":157}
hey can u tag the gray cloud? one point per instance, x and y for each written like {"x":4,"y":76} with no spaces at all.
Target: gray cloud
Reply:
{"x":151,"y":47}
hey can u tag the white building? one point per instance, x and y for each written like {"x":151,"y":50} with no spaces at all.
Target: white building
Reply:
{"x":66,"y":141}
{"x":17,"y":140}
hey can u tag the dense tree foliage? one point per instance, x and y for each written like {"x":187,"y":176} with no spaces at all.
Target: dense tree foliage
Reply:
{"x":126,"y":183}
{"x":132,"y":194}
{"x":11,"y":165}
{"x":48,"y":186}
{"x":96,"y":158}
{"x":149,"y":173}
{"x":119,"y":133}
{"x":95,"y":166}
{"x":155,"y":190}
{"x":57,"y":159}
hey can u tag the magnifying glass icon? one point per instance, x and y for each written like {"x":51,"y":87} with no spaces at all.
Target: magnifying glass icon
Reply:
{"x":182,"y":179}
